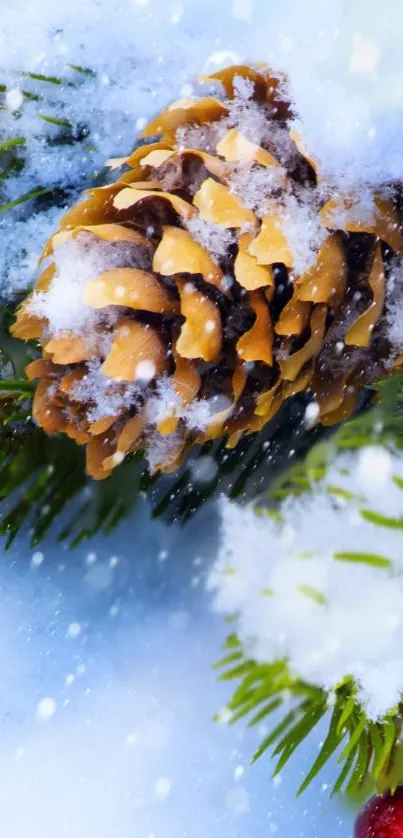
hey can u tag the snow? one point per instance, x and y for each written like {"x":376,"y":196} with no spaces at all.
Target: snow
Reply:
{"x":145,"y":371}
{"x":239,"y":772}
{"x":14,"y":99}
{"x":37,"y":559}
{"x":99,"y":577}
{"x":375,"y":466}
{"x":203,"y":137}
{"x":336,"y":47}
{"x":237,"y":800}
{"x":196,"y":416}
{"x":304,"y":232}
{"x":46,"y":708}
{"x":256,"y":186}
{"x":364,"y":57}
{"x":203,"y":470}
{"x":160,"y":449}
{"x":166,"y":403}
{"x":62,"y":303}
{"x":344,"y":62}
{"x":357,"y":627}
{"x":312,"y":413}
{"x":162,"y":788}
{"x":246,"y":115}
{"x":242,"y":9}
{"x":394,"y":304}
{"x":74,"y":630}
{"x":214,"y":238}
{"x":22,"y":243}
{"x":104,"y":396}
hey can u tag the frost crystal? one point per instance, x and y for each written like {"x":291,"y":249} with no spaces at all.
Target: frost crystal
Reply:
{"x":300,"y":223}
{"x":203,"y":137}
{"x":214,"y":238}
{"x":165,"y":404}
{"x":256,"y":186}
{"x":159,"y":449}
{"x":246,"y":115}
{"x":105,"y":396}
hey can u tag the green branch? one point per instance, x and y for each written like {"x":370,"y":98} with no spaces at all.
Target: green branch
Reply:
{"x":368,"y":749}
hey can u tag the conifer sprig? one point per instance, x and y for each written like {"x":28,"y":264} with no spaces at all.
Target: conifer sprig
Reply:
{"x":367,"y":750}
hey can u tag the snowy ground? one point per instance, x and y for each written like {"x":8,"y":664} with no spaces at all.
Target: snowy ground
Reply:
{"x":107,"y":693}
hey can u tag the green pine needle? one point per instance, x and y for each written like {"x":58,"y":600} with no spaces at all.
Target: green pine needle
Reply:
{"x":28,"y":196}
{"x":382,"y":520}
{"x":313,"y":594}
{"x":328,"y":748}
{"x":54,"y":120}
{"x":371,"y":559}
{"x":366,"y":748}
{"x":14,"y":141}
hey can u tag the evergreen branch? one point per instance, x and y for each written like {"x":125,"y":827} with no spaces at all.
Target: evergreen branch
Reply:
{"x":369,"y":751}
{"x":368,"y":748}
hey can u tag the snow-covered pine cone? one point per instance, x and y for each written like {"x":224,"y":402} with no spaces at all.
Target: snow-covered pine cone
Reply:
{"x":216,"y":278}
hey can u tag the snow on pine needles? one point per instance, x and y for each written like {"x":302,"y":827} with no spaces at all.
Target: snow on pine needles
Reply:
{"x":322,"y":585}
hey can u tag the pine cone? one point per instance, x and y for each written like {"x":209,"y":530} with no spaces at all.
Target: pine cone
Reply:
{"x":216,"y":279}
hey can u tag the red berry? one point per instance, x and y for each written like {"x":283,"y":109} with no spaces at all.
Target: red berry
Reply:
{"x":382,"y":817}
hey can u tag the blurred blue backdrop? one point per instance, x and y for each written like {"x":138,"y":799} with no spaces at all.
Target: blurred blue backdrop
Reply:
{"x":107,"y":696}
